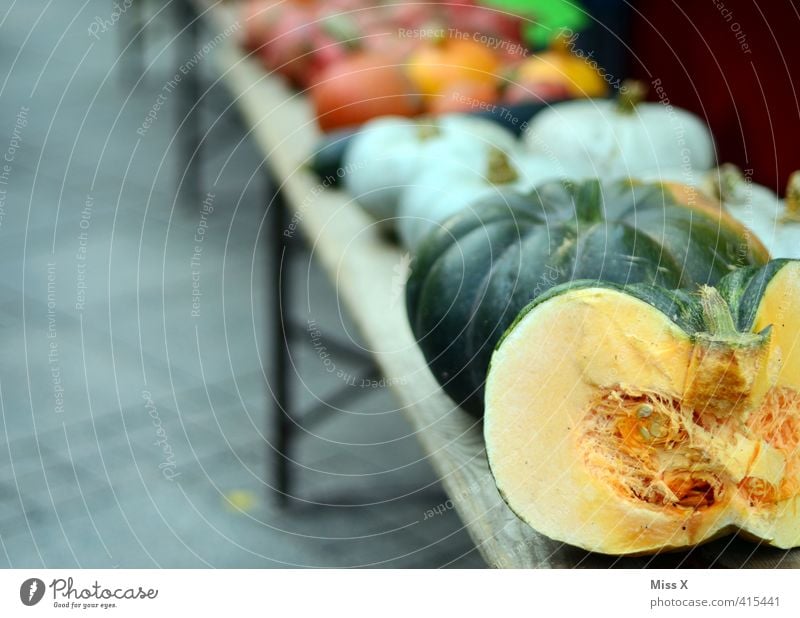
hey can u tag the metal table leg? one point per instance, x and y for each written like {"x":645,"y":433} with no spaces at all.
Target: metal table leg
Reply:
{"x":282,"y":424}
{"x":278,"y":284}
{"x":131,"y":39}
{"x":188,"y":107}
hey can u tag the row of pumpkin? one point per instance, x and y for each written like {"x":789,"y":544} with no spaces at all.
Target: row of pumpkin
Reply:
{"x":603,"y":297}
{"x":415,"y":174}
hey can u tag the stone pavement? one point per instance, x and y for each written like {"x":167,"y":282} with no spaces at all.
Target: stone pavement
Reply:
{"x":134,"y":391}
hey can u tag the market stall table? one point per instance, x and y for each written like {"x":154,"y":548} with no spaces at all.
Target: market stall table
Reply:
{"x":362,"y":265}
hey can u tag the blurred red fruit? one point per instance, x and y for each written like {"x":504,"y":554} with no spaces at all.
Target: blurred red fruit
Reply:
{"x":468,"y":16}
{"x":359,"y":88}
{"x":290,"y":47}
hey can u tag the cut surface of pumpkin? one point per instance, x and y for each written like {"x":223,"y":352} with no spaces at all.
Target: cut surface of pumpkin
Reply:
{"x":655,"y":419}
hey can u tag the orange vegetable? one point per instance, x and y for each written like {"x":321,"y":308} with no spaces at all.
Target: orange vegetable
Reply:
{"x":560,"y":68}
{"x":441,"y":64}
{"x":361,"y":87}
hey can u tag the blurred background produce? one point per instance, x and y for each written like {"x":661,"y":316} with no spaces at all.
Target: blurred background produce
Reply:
{"x":436,"y":57}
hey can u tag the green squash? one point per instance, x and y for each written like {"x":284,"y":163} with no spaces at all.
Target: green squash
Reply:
{"x":662,"y":419}
{"x":471,"y":277}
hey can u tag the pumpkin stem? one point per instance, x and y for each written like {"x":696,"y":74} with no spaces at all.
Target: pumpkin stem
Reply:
{"x":717,"y":313}
{"x":500,"y":170}
{"x":793,"y":198}
{"x":343,"y":30}
{"x":729,"y":370}
{"x":428,"y":129}
{"x":630,"y":95}
{"x":589,"y":202}
{"x":725,"y":180}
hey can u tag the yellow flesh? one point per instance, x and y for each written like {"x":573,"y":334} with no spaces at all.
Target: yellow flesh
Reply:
{"x":591,"y":440}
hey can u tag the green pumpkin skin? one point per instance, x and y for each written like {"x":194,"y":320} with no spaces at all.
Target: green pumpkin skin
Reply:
{"x":471,"y":277}
{"x":743,"y":290}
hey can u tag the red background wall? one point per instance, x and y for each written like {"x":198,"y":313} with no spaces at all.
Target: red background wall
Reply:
{"x":735,"y":63}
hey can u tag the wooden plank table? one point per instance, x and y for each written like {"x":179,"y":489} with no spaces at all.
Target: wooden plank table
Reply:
{"x":361,"y":263}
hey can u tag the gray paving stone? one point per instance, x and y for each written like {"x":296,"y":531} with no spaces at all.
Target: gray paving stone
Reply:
{"x":87,"y":485}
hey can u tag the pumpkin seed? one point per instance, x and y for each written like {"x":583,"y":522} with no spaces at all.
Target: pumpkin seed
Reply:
{"x":644,"y":410}
{"x":657,"y":429}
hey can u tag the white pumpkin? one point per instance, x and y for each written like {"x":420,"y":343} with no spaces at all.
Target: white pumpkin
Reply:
{"x":388,"y":153}
{"x":444,"y":189}
{"x":621,"y":138}
{"x":776,"y":222}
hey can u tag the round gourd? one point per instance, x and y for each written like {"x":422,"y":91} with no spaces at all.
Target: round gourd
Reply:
{"x":389,"y":153}
{"x":620,"y":138}
{"x":446,"y":187}
{"x":473,"y":275}
{"x":631,"y":420}
{"x":444,"y":62}
{"x":362,"y":86}
{"x":774,"y":221}
{"x":559,"y":70}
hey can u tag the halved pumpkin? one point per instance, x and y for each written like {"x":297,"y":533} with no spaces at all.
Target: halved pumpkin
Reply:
{"x":629,"y":420}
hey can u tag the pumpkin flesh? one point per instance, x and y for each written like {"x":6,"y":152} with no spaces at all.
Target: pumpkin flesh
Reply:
{"x":626,"y":434}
